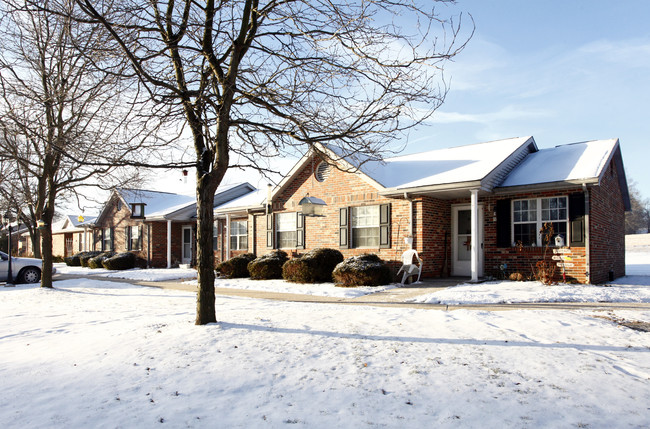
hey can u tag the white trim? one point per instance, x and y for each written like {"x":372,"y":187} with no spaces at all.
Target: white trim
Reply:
{"x":169,"y":244}
{"x":475,"y":231}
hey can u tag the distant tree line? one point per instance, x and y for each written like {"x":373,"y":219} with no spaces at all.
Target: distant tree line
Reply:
{"x":638,"y":219}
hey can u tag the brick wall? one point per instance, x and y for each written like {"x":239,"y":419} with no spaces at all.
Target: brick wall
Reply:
{"x":607,"y":228}
{"x":117,"y":215}
{"x":339,"y":190}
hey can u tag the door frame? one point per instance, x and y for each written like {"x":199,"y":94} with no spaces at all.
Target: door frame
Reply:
{"x":464,"y":268}
{"x":186,"y":259}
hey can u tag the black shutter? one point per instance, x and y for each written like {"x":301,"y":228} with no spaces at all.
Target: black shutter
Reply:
{"x":269,"y":231}
{"x":300,"y":231}
{"x":344,"y":241}
{"x":504,"y":230}
{"x":577,"y":219}
{"x":384,"y":226}
{"x":127,"y":237}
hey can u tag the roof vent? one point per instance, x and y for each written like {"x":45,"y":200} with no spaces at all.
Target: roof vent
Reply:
{"x":322,"y":171}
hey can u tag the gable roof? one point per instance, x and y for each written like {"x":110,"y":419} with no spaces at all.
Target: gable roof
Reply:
{"x":569,"y":165}
{"x":168,"y":206}
{"x":71,"y":223}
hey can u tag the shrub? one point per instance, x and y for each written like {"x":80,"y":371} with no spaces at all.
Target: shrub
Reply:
{"x":516,"y":277}
{"x":364,"y":270}
{"x":236,"y":267}
{"x":82,"y":258}
{"x":120,"y":261}
{"x":315,"y":266}
{"x":58,"y":259}
{"x":268,"y":266}
{"x":96,"y":261}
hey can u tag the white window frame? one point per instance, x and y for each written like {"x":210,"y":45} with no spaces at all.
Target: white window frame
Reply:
{"x":236,"y":234}
{"x":106,"y":235}
{"x":542,"y":215}
{"x":130,"y":238}
{"x":364,"y":218}
{"x":285,"y":224}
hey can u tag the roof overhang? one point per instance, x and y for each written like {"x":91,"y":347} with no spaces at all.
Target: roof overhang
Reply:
{"x":548,"y":186}
{"x":442,"y":191}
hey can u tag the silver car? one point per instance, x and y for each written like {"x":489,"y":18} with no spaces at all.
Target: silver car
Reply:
{"x":23,"y":270}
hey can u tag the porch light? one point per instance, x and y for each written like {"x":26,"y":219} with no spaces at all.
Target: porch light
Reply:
{"x":312,"y":206}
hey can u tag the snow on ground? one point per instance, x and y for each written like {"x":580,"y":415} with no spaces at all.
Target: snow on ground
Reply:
{"x":150,"y":275}
{"x":319,"y":289}
{"x":95,"y":353}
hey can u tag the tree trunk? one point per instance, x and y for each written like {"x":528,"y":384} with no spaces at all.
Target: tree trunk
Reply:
{"x":205,"y":306}
{"x":36,"y":243}
{"x":46,"y":235}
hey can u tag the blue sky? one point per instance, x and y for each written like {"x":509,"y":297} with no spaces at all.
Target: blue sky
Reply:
{"x":561,"y":71}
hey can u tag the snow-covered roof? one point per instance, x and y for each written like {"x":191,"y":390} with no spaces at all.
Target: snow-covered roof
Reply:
{"x":577,"y":162}
{"x":156,"y":203}
{"x":253,"y":199}
{"x":443,"y":166}
{"x":71,"y":223}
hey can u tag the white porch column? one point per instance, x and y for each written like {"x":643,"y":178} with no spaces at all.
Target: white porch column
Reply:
{"x":169,"y":244}
{"x":475,"y":244}
{"x":227,"y":236}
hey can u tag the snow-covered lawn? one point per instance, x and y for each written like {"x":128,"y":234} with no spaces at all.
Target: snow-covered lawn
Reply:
{"x":150,"y":275}
{"x":97,"y":353}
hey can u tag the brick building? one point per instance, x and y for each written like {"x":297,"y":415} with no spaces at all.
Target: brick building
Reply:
{"x":472,"y":211}
{"x":160,"y":227}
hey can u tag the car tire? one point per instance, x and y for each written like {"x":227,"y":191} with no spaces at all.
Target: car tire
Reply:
{"x":29,"y":275}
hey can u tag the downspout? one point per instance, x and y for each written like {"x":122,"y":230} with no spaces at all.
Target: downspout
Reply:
{"x":253,"y":235}
{"x":587,"y":247}
{"x":169,"y":243}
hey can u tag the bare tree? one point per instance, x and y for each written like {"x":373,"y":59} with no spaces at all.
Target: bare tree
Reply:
{"x":258,"y":79}
{"x":63,"y":109}
{"x":637,"y":219}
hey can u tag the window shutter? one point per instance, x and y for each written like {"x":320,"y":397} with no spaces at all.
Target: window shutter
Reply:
{"x":127,"y":237}
{"x":504,"y":230}
{"x":300,"y":231}
{"x":112,"y":239}
{"x":384,"y":226}
{"x":269,"y":231}
{"x":577,"y":219}
{"x":140,"y":237}
{"x":344,"y":242}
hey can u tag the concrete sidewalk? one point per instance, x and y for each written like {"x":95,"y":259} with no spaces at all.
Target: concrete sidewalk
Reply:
{"x":395,"y":297}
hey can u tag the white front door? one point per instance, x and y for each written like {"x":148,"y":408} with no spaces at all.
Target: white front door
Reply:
{"x":187,"y":245}
{"x":461,"y":240}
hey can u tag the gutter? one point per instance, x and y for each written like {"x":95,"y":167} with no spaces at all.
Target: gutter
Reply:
{"x":476,"y":184}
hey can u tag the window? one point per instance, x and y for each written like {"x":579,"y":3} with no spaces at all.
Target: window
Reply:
{"x":286,"y":228}
{"x":107,"y":239}
{"x":215,"y":236}
{"x":239,"y":235}
{"x":133,"y":238}
{"x":365,"y":226}
{"x":529,"y":216}
{"x":137,"y":210}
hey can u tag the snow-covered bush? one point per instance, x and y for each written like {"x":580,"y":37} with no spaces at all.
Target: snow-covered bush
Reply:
{"x":236,"y":267}
{"x":84,"y":257}
{"x":120,"y":261}
{"x":96,"y":261}
{"x":315,"y":266}
{"x":363,"y":270}
{"x":268,"y":266}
